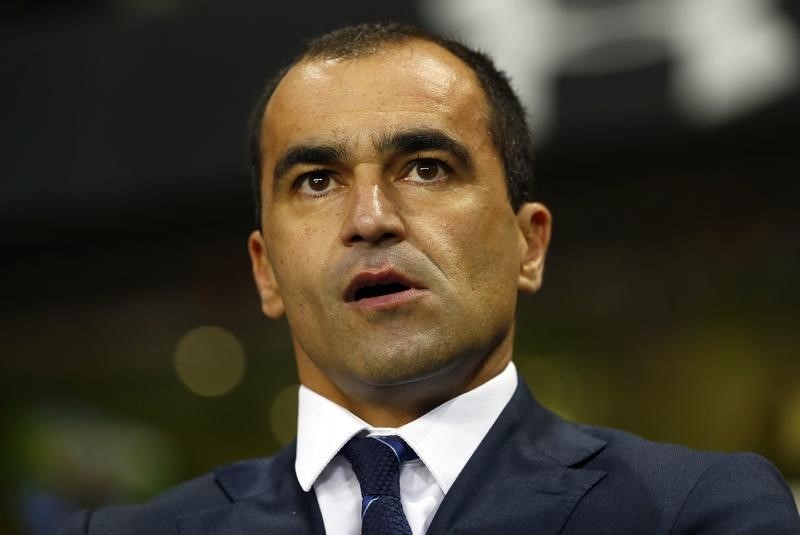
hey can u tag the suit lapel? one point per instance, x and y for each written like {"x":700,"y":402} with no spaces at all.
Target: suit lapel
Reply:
{"x":265,"y":498}
{"x":523,"y":478}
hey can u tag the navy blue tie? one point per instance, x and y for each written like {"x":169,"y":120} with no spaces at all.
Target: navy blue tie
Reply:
{"x":376,"y":462}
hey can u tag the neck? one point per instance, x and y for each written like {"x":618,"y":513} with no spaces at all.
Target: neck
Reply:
{"x":397,"y":405}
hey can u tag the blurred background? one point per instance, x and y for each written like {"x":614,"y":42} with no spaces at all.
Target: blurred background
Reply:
{"x":133,"y":354}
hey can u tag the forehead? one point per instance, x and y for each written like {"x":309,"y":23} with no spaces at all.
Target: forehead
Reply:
{"x":411,"y":84}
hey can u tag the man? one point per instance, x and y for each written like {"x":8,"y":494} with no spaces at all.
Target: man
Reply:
{"x":396,"y":230}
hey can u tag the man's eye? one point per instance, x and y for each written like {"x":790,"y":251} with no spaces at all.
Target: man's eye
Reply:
{"x":427,"y":171}
{"x":315,"y":184}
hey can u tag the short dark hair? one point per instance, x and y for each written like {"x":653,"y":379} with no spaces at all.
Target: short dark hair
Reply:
{"x":508,"y":126}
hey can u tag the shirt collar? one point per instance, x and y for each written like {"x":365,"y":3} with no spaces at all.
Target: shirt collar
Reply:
{"x":444,"y":438}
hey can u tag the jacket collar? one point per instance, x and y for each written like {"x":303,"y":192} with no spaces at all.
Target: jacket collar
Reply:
{"x":527,"y":467}
{"x":265,"y":498}
{"x":529,"y":471}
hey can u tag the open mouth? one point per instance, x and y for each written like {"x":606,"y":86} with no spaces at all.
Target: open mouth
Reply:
{"x":383,"y":288}
{"x":379,"y":290}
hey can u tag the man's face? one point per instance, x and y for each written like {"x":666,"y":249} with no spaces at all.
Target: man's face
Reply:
{"x":388,"y":237}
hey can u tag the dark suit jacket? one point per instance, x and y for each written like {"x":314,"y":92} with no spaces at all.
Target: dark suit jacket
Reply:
{"x":533,"y":473}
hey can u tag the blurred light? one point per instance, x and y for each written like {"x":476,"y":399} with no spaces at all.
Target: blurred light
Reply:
{"x":107,"y":455}
{"x":736,"y":56}
{"x":64,"y":455}
{"x":210,"y":361}
{"x":789,"y":434}
{"x":731,"y":56}
{"x":283,"y":415}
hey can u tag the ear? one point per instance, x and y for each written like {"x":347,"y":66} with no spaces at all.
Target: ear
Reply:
{"x":535,"y":224}
{"x":267,"y":284}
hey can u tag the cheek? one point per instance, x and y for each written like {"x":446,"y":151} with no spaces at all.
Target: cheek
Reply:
{"x":298,"y":263}
{"x":484,"y":243}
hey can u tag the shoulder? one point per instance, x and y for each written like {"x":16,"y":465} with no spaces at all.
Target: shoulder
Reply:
{"x":155,"y":516}
{"x":158,"y":516}
{"x":661,"y":462}
{"x":666,"y":465}
{"x":689,"y":491}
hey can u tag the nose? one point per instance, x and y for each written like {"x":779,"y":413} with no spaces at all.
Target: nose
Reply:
{"x":372,"y":214}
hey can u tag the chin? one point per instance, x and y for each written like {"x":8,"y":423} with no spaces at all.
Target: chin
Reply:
{"x":415,"y":367}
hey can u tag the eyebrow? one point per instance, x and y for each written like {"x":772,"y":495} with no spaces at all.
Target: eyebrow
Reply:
{"x":309,"y":155}
{"x":418,"y":140}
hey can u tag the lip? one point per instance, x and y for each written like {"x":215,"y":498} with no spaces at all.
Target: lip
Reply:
{"x":384,"y":275}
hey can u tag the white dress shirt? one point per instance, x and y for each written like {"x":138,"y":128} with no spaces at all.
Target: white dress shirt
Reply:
{"x":444,"y":439}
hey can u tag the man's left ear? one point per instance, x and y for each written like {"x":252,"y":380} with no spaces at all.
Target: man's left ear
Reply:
{"x":535,"y":224}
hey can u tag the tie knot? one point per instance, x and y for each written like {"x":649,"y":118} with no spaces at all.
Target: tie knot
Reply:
{"x":376,"y":462}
